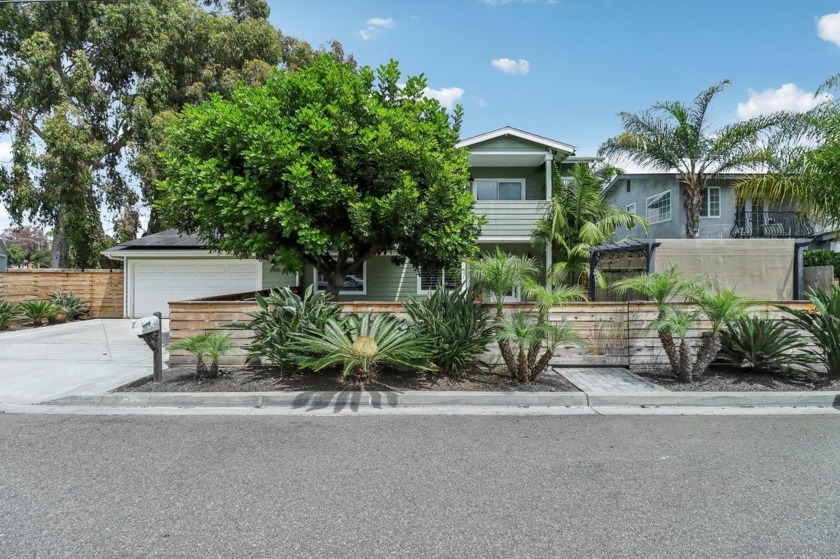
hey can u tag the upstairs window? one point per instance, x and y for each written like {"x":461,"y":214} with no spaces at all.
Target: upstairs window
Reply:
{"x":659,"y":207}
{"x":711,"y":202}
{"x":631,"y":208}
{"x":499,"y":189}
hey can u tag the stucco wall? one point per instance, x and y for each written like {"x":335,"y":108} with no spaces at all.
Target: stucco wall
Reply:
{"x":758,"y":268}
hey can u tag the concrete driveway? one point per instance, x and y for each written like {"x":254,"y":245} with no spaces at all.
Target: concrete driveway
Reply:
{"x":80,"y":358}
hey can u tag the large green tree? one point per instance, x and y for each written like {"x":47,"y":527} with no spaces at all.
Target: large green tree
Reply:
{"x":330,"y":165}
{"x":85,"y":87}
{"x":674,"y":136}
{"x":579,"y":217}
{"x":805,"y":168}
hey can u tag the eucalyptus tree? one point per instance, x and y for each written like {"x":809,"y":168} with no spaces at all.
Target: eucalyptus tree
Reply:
{"x":675,"y":136}
{"x":579,"y":217}
{"x":84,"y":87}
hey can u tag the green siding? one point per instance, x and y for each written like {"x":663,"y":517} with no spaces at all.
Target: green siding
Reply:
{"x":276,"y":278}
{"x":534,"y":178}
{"x":509,"y":219}
{"x":383,"y":281}
{"x":507,"y":143}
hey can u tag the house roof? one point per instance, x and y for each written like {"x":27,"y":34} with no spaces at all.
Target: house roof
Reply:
{"x":170,"y":239}
{"x":517,"y":133}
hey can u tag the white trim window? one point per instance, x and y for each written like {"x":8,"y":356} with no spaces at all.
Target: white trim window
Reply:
{"x":658,"y":207}
{"x":499,"y":189}
{"x":354,"y":284}
{"x":427,"y":282}
{"x":631,"y":209}
{"x":711,"y":202}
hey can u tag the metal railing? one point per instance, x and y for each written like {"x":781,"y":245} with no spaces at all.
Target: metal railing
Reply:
{"x":771,"y":225}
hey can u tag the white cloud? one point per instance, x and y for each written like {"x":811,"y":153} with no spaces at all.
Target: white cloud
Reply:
{"x":828,"y":28}
{"x":503,"y":2}
{"x":789,"y":97}
{"x":448,"y":96}
{"x":375,"y":26}
{"x":510,"y":66}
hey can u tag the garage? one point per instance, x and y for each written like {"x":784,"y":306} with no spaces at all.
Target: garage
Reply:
{"x":153,"y":283}
{"x":170,"y":266}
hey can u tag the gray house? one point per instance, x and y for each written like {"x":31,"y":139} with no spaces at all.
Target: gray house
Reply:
{"x":4,"y":257}
{"x":658,"y":198}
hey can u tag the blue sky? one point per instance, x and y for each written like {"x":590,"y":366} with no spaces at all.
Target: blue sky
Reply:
{"x":586,"y":60}
{"x":564,"y":68}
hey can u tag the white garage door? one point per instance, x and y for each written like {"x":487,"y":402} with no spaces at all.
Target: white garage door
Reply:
{"x":156,"y":282}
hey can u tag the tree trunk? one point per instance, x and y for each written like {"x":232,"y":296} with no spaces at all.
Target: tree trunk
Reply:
{"x":60,"y":250}
{"x":507,"y":356}
{"x":336,"y":281}
{"x":542,"y":364}
{"x":667,"y":340}
{"x":155,"y":224}
{"x":685,"y":362}
{"x":693,"y":203}
{"x":707,"y":352}
{"x":522,"y":366}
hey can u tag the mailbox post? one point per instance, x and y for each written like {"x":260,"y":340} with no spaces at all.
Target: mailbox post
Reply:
{"x":149,"y":330}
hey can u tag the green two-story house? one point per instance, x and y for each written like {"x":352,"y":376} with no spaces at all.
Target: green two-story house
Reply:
{"x":510,"y":176}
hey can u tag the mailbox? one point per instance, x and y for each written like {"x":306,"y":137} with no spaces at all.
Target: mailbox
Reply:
{"x":148,"y":330}
{"x":145,"y":325}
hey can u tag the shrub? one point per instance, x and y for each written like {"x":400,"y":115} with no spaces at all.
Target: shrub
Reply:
{"x":73,"y":306}
{"x":283,"y":314}
{"x":822,"y":257}
{"x":456,"y":325}
{"x":822,"y":321}
{"x":8,"y":313}
{"x":210,"y":345}
{"x":763,"y":345}
{"x":359,"y":344}
{"x":38,"y":310}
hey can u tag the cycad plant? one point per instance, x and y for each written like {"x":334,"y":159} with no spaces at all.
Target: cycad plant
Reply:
{"x":822,"y":321}
{"x":456,"y":325}
{"x":359,"y":343}
{"x":38,"y":310}
{"x":8,"y":313}
{"x":578,"y":217}
{"x":764,"y":345}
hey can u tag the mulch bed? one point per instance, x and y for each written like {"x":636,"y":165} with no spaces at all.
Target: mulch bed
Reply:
{"x":725,"y":378}
{"x":267,"y":379}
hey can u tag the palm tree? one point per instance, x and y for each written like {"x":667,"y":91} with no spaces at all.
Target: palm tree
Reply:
{"x":720,"y":307}
{"x":678,"y":323}
{"x":578,"y":217}
{"x":663,"y":288}
{"x":807,"y":172}
{"x":674,"y":136}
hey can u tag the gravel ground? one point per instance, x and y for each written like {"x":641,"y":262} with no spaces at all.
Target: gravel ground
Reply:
{"x":267,"y":379}
{"x":729,"y":379}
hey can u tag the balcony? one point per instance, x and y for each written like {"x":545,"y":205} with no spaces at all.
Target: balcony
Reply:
{"x":771,"y":225}
{"x":509,"y":218}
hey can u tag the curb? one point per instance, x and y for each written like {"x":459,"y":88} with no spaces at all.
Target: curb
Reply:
{"x":391,"y":399}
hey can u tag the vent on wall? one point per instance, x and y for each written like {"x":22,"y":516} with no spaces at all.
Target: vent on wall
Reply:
{"x":628,"y":185}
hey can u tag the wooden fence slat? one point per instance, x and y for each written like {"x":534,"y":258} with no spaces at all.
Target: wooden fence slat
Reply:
{"x":102,"y":288}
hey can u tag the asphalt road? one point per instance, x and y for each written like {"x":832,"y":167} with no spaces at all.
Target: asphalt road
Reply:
{"x":573,"y":486}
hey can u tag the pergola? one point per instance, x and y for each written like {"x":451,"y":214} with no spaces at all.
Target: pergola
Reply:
{"x":645,"y":246}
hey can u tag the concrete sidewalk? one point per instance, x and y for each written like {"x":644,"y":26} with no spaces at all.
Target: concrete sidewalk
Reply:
{"x":78,"y":359}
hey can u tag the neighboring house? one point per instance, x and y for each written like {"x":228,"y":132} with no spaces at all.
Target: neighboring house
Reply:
{"x":658,"y":197}
{"x":510,"y":176}
{"x":4,"y":257}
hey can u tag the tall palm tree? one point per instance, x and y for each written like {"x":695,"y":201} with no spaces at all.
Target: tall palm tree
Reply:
{"x":674,"y":136}
{"x":805,"y":168}
{"x":579,"y":217}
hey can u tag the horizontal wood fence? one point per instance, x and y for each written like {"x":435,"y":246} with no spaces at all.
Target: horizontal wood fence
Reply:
{"x":102,"y":288}
{"x":617,"y":332}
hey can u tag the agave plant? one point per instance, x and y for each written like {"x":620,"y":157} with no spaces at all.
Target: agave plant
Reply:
{"x":38,"y":310}
{"x":456,"y":325}
{"x":359,"y":343}
{"x":8,"y":313}
{"x":765,"y":346}
{"x":282,"y":314}
{"x":73,"y":306}
{"x":822,"y":321}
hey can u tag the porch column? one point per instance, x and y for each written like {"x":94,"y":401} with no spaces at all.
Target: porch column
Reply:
{"x":548,"y":194}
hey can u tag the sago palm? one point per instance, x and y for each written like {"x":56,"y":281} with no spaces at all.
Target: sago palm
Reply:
{"x":578,"y":217}
{"x":673,"y":136}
